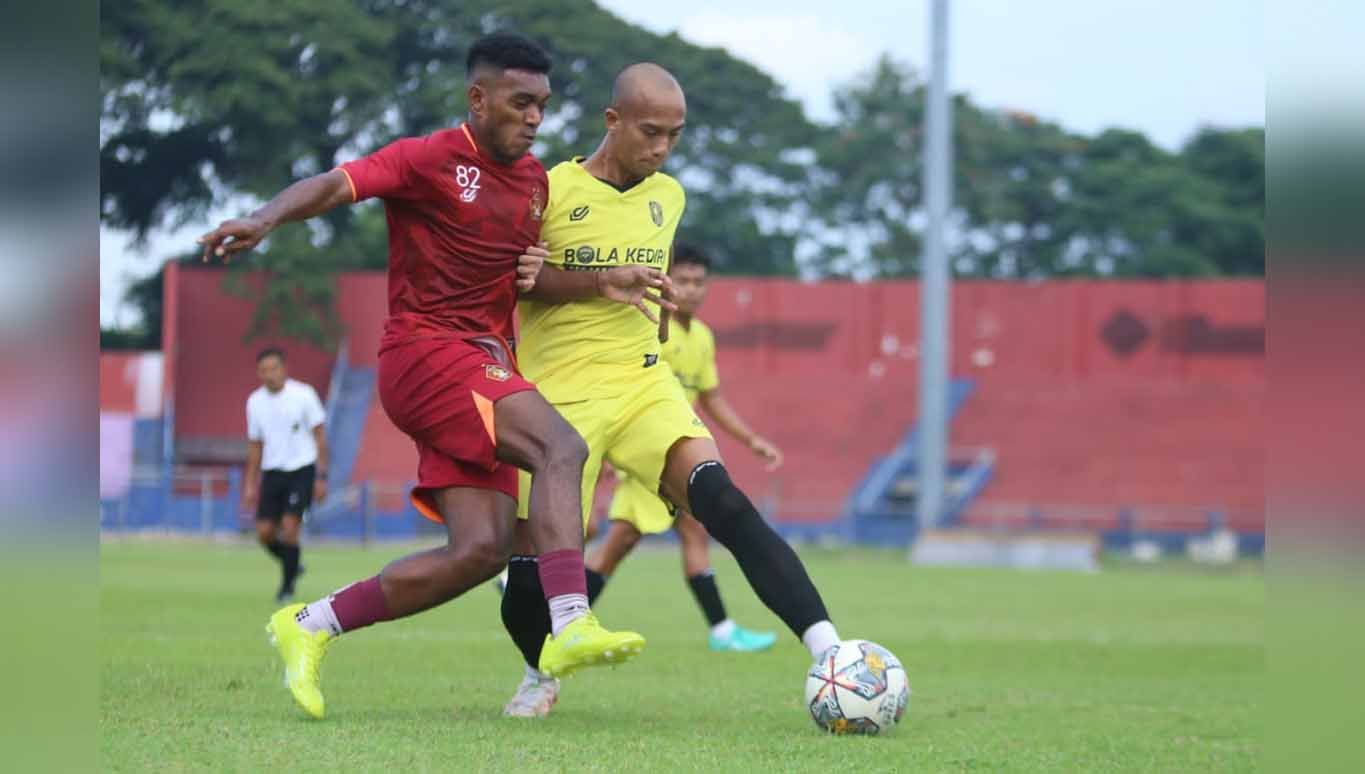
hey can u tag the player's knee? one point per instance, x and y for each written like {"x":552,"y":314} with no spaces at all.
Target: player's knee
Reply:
{"x":621,"y":540}
{"x":567,"y":449}
{"x":717,"y":503}
{"x":484,"y":555}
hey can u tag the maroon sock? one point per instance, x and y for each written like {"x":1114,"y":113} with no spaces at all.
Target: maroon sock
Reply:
{"x":561,"y":572}
{"x":360,"y":604}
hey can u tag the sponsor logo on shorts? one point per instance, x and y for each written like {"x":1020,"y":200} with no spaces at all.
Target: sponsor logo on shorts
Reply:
{"x":651,"y":359}
{"x":496,"y":372}
{"x":656,"y":213}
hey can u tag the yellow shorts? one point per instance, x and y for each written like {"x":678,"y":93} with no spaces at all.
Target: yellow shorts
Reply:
{"x":639,"y":507}
{"x":633,"y":432}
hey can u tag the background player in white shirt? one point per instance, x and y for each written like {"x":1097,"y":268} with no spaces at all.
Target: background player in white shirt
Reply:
{"x":287,"y":439}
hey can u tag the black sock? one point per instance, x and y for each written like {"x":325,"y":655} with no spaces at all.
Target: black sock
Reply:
{"x":770,"y":565}
{"x":596,"y":581}
{"x":291,"y":554}
{"x":276,"y":549}
{"x":708,"y":596}
{"x":525,"y":613}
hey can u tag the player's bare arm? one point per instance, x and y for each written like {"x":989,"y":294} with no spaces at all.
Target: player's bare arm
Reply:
{"x":664,"y":316}
{"x":300,"y":201}
{"x":251,"y":480}
{"x":720,"y":410}
{"x":632,"y":285}
{"x":320,"y":472}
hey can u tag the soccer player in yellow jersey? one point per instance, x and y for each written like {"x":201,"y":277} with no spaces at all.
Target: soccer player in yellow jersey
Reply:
{"x":690,"y":352}
{"x":608,"y":228}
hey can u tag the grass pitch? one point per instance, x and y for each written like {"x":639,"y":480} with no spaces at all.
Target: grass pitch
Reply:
{"x":1132,"y":669}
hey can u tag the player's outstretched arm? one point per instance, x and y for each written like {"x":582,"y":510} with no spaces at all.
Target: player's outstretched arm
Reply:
{"x":720,"y":410}
{"x":300,"y":201}
{"x":633,"y":285}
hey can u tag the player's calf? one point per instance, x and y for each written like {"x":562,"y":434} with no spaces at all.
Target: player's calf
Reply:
{"x":771,"y":566}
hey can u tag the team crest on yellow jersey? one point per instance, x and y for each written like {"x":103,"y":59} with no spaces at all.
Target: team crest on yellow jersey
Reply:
{"x":656,"y":213}
{"x":537,"y":203}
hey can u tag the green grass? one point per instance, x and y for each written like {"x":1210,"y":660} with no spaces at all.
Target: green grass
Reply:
{"x":1132,"y":669}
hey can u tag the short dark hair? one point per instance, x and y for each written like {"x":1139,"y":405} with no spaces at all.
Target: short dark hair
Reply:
{"x":686,"y":252}
{"x":506,"y":51}
{"x":269,"y":352}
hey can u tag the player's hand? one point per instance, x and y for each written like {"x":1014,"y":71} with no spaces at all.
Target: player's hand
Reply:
{"x":634,"y":285}
{"x":319,"y":490}
{"x":528,"y":266}
{"x":768,"y":451}
{"x":249,"y":497}
{"x":233,"y":236}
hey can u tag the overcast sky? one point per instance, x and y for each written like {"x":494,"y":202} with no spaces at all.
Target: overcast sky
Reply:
{"x":1164,"y":67}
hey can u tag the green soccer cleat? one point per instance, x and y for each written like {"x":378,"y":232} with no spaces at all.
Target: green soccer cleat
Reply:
{"x":742,"y":640}
{"x":302,"y":652}
{"x":585,"y":643}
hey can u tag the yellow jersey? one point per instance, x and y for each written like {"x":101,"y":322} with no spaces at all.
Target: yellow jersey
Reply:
{"x":691,"y":353}
{"x":595,"y":348}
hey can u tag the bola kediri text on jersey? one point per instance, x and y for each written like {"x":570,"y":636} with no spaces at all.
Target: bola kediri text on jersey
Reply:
{"x":588,"y":257}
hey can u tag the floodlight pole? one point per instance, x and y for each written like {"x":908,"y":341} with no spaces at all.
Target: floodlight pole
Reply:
{"x":934,"y":289}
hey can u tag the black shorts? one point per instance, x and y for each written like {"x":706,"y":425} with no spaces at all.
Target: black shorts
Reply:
{"x":285,"y":491}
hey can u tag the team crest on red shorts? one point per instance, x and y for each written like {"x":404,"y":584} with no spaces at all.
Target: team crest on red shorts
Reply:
{"x":496,"y":372}
{"x":537,"y":203}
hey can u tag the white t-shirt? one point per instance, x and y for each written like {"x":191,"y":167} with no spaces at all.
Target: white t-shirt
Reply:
{"x":283,"y":421}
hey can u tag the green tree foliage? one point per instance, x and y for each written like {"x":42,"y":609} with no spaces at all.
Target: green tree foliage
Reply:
{"x":1032,"y":200}
{"x":207,"y":100}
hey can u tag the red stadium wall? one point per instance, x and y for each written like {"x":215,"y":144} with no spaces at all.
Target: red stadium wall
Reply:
{"x":210,"y":367}
{"x":1092,"y":393}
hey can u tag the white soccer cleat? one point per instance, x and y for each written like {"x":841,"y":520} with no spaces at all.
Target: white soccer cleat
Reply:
{"x":534,"y":698}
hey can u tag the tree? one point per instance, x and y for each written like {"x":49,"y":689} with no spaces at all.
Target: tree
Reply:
{"x":1031,"y":200}
{"x":1233,"y":161}
{"x":207,"y":97}
{"x":188,"y":120}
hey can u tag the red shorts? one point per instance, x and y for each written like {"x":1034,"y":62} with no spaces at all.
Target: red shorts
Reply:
{"x":440,"y":392}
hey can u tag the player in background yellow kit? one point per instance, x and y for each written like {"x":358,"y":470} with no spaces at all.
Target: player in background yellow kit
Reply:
{"x":608,"y":228}
{"x":690,"y":351}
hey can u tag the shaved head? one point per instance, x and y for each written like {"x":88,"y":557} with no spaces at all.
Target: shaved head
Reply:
{"x":644,"y":121}
{"x":644,"y":85}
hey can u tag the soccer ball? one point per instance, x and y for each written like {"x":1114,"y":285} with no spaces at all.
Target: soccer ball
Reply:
{"x":857,"y":687}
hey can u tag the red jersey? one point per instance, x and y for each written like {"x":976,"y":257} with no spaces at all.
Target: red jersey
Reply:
{"x":457,"y":222}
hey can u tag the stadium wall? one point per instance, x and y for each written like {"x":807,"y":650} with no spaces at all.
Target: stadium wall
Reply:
{"x":1100,"y":394}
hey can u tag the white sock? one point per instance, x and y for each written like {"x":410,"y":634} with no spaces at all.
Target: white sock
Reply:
{"x":535,"y":675}
{"x":565,"y":609}
{"x":318,"y":616}
{"x":723,"y":629}
{"x":819,"y":638}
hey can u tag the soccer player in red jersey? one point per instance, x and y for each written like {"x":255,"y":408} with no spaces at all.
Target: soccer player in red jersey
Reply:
{"x":461,"y":204}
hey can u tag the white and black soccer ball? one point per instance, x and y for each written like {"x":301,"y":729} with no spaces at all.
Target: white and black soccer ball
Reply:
{"x":857,"y":687}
